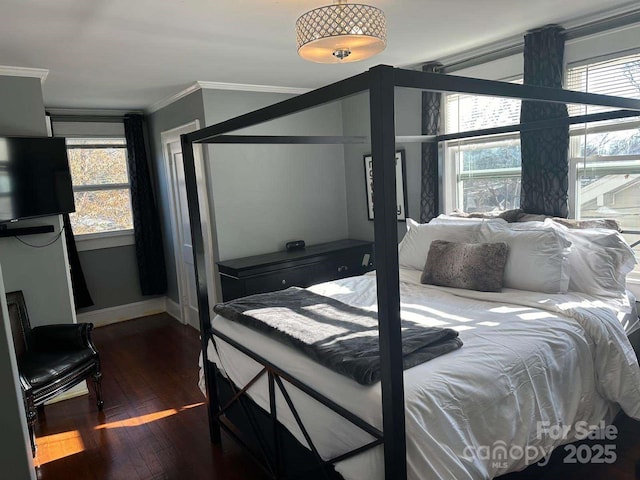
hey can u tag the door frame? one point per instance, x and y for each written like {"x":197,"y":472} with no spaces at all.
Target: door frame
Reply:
{"x":168,"y":137}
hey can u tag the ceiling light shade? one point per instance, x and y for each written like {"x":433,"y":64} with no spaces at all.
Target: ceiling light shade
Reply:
{"x":342,"y":32}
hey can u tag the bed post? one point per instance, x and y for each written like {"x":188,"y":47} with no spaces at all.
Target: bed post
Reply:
{"x":197,"y":243}
{"x":381,"y":99}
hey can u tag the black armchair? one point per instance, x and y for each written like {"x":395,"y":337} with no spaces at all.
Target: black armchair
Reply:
{"x":51,"y":358}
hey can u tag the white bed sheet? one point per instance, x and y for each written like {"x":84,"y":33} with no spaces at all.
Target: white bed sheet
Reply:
{"x":630,"y":321}
{"x":527,"y":358}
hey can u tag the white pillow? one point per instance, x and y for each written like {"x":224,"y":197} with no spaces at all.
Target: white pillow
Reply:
{"x":599,"y":261}
{"x":538,"y":256}
{"x":414,"y":247}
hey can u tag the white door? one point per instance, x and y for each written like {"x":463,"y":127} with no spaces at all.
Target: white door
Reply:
{"x":187,"y":311}
{"x":186,"y":271}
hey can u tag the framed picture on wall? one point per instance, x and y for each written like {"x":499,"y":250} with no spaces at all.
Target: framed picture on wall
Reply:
{"x":401,"y":184}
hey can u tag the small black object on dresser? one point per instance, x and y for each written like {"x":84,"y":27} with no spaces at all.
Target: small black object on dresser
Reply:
{"x":299,"y":267}
{"x":294,"y":245}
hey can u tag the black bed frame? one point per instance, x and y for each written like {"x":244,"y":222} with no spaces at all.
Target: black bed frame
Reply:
{"x":380,"y":82}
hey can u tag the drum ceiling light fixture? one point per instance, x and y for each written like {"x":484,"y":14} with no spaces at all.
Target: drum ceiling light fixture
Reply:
{"x":341,"y":32}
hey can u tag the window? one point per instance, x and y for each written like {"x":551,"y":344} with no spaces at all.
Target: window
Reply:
{"x":487,"y":169}
{"x":101,"y":187}
{"x":605,"y":156}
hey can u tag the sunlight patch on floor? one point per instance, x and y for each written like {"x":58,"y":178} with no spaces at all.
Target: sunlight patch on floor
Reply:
{"x":148,"y":418}
{"x":140,"y":420}
{"x":57,"y":446}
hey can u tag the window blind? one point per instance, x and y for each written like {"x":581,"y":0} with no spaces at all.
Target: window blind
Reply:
{"x":473,"y":112}
{"x":617,"y":76}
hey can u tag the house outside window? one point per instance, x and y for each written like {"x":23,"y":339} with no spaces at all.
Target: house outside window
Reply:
{"x":101,"y":188}
{"x":486,"y":169}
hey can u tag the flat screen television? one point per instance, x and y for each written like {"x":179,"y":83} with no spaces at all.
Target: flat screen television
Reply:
{"x":35,"y":179}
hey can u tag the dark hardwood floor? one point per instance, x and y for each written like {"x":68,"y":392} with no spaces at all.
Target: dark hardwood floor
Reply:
{"x":154,"y":424}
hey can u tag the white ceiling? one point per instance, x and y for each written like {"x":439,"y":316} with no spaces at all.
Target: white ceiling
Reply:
{"x":134,"y":53}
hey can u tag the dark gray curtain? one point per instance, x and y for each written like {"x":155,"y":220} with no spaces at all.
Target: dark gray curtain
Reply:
{"x":81,"y":296}
{"x":146,"y":224}
{"x":429,"y":189}
{"x":545,"y":167}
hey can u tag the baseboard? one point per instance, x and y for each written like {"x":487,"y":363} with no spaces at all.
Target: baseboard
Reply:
{"x":173,"y":309}
{"x":121,"y":313}
{"x":195,"y":323}
{"x":77,"y":391}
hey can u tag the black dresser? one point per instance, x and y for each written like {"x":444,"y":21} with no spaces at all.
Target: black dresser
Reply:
{"x":313,"y":264}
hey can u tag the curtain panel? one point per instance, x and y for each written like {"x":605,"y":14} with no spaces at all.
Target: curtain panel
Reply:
{"x":545,"y":165}
{"x":146,"y":223}
{"x":429,"y":188}
{"x":81,"y":296}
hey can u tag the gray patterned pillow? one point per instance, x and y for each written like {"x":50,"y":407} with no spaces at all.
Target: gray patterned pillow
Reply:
{"x":473,"y":266}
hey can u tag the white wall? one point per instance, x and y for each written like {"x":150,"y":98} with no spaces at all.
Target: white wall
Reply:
{"x":262,"y":196}
{"x":501,"y":69}
{"x":41,"y":273}
{"x":602,"y":44}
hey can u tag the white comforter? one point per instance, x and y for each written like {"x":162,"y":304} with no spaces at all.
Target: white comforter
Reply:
{"x":527,"y":358}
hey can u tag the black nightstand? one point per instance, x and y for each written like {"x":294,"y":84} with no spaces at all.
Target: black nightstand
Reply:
{"x":275,"y":271}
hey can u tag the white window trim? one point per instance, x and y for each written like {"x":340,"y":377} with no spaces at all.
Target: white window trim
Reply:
{"x":99,"y":241}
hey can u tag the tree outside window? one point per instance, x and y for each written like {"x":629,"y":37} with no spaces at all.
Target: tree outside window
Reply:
{"x":100,"y":185}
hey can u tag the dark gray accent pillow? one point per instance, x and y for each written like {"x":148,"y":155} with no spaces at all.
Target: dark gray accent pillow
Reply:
{"x":473,"y":266}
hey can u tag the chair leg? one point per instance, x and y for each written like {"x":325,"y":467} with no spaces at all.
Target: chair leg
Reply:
{"x":97,"y":381}
{"x":31,"y":424}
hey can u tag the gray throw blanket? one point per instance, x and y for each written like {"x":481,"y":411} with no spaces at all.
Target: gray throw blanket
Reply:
{"x":339,"y":336}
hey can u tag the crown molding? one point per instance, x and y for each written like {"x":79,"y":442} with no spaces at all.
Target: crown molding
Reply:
{"x":238,"y":87}
{"x":89,"y":112}
{"x":247,"y":87}
{"x":173,"y":98}
{"x":40,"y":73}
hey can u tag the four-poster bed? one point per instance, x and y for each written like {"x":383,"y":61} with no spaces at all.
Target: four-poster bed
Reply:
{"x":380,"y":82}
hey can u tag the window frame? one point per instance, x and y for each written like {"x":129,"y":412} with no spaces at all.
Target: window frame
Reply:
{"x":459,"y":175}
{"x":577,"y":163}
{"x":452,"y":194}
{"x":114,"y":238}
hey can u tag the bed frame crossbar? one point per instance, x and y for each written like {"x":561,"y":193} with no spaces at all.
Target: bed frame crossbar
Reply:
{"x":315,"y":98}
{"x":438,"y":82}
{"x":540,"y":125}
{"x":632,"y":232}
{"x":315,"y":140}
{"x":288,"y":140}
{"x":380,"y":82}
{"x":271,"y":459}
